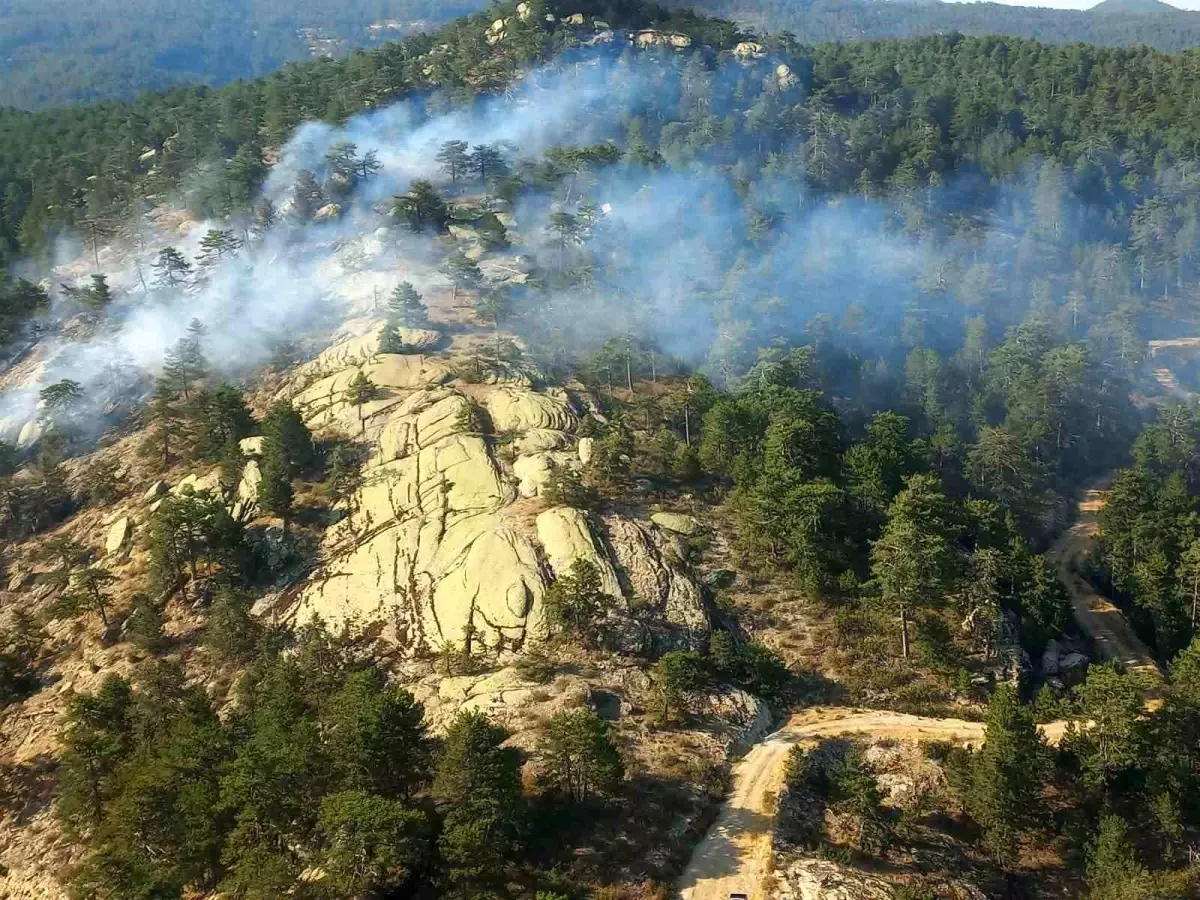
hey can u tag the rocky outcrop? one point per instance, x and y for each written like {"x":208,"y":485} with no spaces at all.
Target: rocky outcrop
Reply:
{"x":516,"y":409}
{"x":429,"y":549}
{"x":245,"y":500}
{"x":820,"y":879}
{"x":567,"y":536}
{"x":653,"y":578}
{"x":120,"y":535}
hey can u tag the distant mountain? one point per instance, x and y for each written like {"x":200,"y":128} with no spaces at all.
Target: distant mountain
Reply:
{"x":1134,"y":7}
{"x":1113,"y":23}
{"x":64,"y":51}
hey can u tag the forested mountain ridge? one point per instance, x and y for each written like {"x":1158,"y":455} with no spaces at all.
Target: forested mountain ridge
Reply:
{"x":420,"y":471}
{"x":66,"y":52}
{"x":1155,"y":24}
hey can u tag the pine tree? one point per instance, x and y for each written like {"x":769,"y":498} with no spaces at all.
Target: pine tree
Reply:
{"x":488,"y":162}
{"x":406,"y":308}
{"x":359,"y":392}
{"x":580,"y":755}
{"x":285,"y":427}
{"x":275,"y":493}
{"x":478,"y":785}
{"x":171,"y":268}
{"x":216,"y":245}
{"x":454,"y":159}
{"x":423,"y":207}
{"x":1007,"y":774}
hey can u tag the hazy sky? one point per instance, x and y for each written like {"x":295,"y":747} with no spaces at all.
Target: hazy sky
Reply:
{"x":1078,"y":4}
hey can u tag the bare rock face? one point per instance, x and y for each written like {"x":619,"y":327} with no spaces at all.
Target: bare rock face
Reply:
{"x":819,"y":879}
{"x":677,"y":522}
{"x":429,"y":549}
{"x":653,"y":577}
{"x":567,"y":536}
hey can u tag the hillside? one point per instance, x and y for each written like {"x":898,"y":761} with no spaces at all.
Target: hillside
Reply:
{"x":434,"y":473}
{"x":1110,"y":24}
{"x":68,"y":52}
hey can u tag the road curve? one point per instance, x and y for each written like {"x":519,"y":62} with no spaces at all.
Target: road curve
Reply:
{"x":735,"y":855}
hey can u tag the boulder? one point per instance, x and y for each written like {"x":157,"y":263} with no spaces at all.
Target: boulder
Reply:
{"x":328,"y":213}
{"x":587,"y":449}
{"x":245,"y":504}
{"x":199,"y":483}
{"x":252,"y":446}
{"x":31,"y":433}
{"x":418,"y":340}
{"x":749,"y":50}
{"x":567,"y":536}
{"x":524,"y":12}
{"x":120,"y":534}
{"x":534,"y":471}
{"x":541,"y":440}
{"x":748,"y":713}
{"x":677,"y":522}
{"x":574,"y":19}
{"x":1073,"y":668}
{"x":785,"y":77}
{"x":154,"y":492}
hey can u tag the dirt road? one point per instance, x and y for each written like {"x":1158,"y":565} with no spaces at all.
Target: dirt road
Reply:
{"x":735,"y":855}
{"x":1110,"y":633}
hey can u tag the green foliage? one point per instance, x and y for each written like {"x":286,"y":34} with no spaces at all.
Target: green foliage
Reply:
{"x":580,"y":755}
{"x":564,"y":487}
{"x":854,"y":794}
{"x":1113,"y":870}
{"x":1109,"y":739}
{"x":675,"y":675}
{"x":144,"y":625}
{"x":1007,"y":775}
{"x":217,"y":418}
{"x":275,"y":493}
{"x":749,"y":665}
{"x":575,"y":601}
{"x":284,"y":428}
{"x":477,"y":784}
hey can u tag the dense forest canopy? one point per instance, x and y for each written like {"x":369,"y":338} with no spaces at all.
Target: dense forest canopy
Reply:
{"x":1152,"y":23}
{"x":68,"y":52}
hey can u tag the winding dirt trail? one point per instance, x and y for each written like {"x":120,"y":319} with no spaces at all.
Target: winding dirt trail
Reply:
{"x":735,"y":855}
{"x":1098,"y":618}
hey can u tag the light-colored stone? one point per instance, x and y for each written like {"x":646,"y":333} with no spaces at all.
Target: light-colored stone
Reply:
{"x":199,"y":483}
{"x":541,"y":440}
{"x":819,"y":879}
{"x":566,"y":536}
{"x":677,"y":522}
{"x":573,"y":19}
{"x":31,"y":433}
{"x":252,"y":446}
{"x":328,"y":213}
{"x":245,"y":504}
{"x":749,"y":50}
{"x":515,"y":409}
{"x":785,"y":77}
{"x":120,"y":534}
{"x":587,"y":450}
{"x":154,"y":492}
{"x":534,"y":471}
